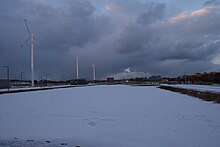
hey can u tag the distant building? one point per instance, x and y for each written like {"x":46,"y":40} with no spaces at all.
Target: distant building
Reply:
{"x":212,"y":77}
{"x":197,"y":75}
{"x":164,"y":80}
{"x":110,"y":80}
{"x":79,"y":82}
{"x":155,"y":78}
{"x":18,"y":83}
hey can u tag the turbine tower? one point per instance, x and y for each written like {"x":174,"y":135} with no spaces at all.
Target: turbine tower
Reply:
{"x":77,"y":67}
{"x":93,"y":71}
{"x":32,"y":37}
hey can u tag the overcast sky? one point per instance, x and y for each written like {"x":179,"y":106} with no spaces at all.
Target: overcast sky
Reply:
{"x":166,"y":37}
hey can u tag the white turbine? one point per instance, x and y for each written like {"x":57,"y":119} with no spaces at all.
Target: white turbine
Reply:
{"x":77,"y":67}
{"x":93,"y":71}
{"x":32,"y":37}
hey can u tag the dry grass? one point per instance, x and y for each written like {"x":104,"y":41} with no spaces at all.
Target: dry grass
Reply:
{"x":206,"y":95}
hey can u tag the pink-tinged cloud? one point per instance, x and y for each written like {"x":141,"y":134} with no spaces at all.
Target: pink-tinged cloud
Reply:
{"x":113,"y":7}
{"x":189,"y":15}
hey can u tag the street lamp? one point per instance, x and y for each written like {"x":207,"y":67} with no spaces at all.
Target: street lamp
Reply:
{"x":22,"y":75}
{"x":7,"y":67}
{"x":46,"y":76}
{"x":46,"y":79}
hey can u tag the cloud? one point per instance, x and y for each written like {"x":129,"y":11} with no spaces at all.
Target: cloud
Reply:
{"x":134,"y":34}
{"x":154,"y":12}
{"x":184,"y":16}
{"x":68,"y":26}
{"x":138,"y":36}
{"x":189,"y":37}
{"x":113,"y":7}
{"x":128,"y":7}
{"x":200,"y":12}
{"x":212,"y":3}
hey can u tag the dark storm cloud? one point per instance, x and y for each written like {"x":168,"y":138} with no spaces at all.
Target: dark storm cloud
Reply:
{"x":68,"y":26}
{"x":188,"y":38}
{"x":135,"y":39}
{"x":153,"y":13}
{"x":139,"y":36}
{"x":71,"y":23}
{"x":212,"y":2}
{"x":114,"y":35}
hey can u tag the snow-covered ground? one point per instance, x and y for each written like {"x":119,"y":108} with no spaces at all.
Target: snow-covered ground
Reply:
{"x":32,"y":88}
{"x":198,"y":87}
{"x":108,"y":116}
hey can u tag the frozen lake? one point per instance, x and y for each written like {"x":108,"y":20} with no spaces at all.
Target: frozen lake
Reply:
{"x":108,"y":116}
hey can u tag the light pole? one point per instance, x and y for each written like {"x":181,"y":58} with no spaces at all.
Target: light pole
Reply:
{"x":22,"y":75}
{"x":46,"y":76}
{"x":46,"y":79}
{"x":7,"y":67}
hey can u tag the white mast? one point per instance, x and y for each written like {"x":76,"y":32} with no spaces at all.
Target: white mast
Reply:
{"x":32,"y":60}
{"x":77,"y":68}
{"x":93,"y":70}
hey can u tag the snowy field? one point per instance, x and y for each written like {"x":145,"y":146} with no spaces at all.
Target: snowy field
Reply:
{"x":198,"y":87}
{"x":108,"y":116}
{"x":33,"y":88}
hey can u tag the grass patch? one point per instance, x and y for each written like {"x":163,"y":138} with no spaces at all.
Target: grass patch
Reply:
{"x":204,"y":95}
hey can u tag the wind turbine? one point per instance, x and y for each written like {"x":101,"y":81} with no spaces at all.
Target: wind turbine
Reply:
{"x":77,"y":67}
{"x":32,"y":37}
{"x":93,"y":71}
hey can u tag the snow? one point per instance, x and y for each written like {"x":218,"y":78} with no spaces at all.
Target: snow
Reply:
{"x":198,"y":87}
{"x":109,"y":116}
{"x":33,"y":88}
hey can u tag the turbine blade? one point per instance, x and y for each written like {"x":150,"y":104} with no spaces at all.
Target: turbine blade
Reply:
{"x":25,"y":21}
{"x":25,"y":41}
